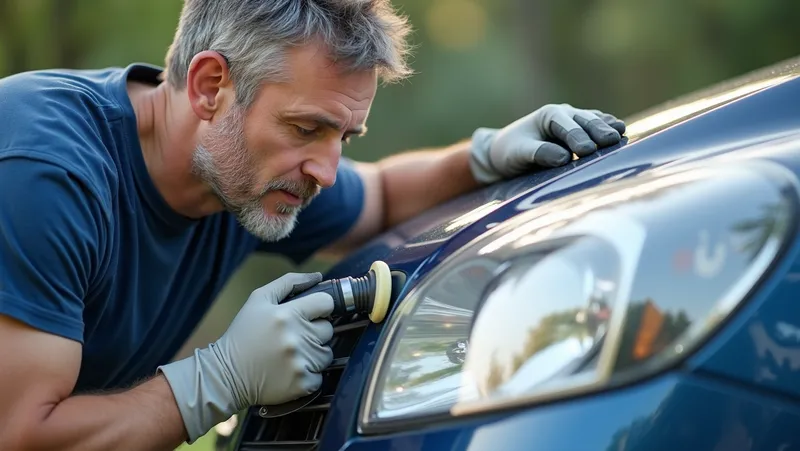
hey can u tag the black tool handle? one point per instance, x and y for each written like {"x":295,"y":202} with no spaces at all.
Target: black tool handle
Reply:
{"x":332,"y":287}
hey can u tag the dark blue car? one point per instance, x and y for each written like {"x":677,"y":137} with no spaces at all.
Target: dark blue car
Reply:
{"x":644,"y":298}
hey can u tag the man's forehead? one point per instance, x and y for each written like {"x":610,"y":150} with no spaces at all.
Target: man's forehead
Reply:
{"x":311,"y":64}
{"x":327,"y":92}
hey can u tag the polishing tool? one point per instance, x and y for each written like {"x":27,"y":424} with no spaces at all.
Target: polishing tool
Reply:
{"x":368,"y":294}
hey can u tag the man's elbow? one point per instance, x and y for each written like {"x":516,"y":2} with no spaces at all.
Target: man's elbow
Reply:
{"x":26,"y":428}
{"x":19,"y":435}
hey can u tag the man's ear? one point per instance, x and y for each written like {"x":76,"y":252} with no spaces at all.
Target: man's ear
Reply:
{"x":208,"y":84}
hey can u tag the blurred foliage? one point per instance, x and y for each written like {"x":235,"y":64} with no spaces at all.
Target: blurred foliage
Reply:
{"x":478,"y":63}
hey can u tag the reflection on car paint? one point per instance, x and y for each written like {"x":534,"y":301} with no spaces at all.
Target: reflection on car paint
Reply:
{"x":768,"y":349}
{"x":546,"y":312}
{"x":422,"y":373}
{"x":457,"y":351}
{"x":665,"y":413}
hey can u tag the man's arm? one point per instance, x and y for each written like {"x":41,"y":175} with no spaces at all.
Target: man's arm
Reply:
{"x":402,"y":186}
{"x":52,"y":234}
{"x":39,"y":373}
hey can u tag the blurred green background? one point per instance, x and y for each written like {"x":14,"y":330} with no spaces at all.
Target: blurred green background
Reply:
{"x":478,"y":63}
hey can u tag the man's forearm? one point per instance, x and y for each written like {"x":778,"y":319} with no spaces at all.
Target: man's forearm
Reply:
{"x":143,"y":418}
{"x":404,"y":185}
{"x":413,"y":182}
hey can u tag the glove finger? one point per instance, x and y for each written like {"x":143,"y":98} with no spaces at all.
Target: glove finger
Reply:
{"x":551,"y":155}
{"x":611,"y":120}
{"x":571,"y":134}
{"x":617,"y":125}
{"x":599,"y":130}
{"x":315,"y":305}
{"x":317,"y":358}
{"x":528,"y":152}
{"x":311,"y":383}
{"x":322,"y":330}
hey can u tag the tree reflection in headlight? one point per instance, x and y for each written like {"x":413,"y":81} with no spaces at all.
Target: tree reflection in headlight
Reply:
{"x":425,"y":371}
{"x":544,"y":315}
{"x":544,"y":311}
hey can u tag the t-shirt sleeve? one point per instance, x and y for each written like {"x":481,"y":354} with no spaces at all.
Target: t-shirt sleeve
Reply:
{"x":50,"y":233}
{"x":326,"y":219}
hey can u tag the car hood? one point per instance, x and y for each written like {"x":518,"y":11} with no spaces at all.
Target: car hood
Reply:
{"x":739,"y":113}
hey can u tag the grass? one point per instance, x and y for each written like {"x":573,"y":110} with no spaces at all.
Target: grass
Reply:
{"x":204,"y":443}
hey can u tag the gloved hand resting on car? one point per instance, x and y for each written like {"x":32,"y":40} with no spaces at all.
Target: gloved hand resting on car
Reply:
{"x":547,"y":138}
{"x":270,"y":354}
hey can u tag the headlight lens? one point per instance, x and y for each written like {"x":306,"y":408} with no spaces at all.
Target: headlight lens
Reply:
{"x":612,"y":283}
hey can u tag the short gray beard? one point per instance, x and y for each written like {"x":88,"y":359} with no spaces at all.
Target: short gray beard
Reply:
{"x":225,"y":165}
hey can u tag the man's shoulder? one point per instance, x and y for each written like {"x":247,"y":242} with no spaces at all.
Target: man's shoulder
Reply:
{"x":65,"y":118}
{"x":39,"y":98}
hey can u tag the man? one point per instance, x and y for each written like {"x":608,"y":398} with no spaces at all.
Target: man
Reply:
{"x":128,"y":200}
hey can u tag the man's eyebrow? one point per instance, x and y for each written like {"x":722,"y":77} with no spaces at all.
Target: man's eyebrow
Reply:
{"x":326,"y":121}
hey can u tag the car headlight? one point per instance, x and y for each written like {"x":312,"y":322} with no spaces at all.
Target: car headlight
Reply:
{"x":607,"y":285}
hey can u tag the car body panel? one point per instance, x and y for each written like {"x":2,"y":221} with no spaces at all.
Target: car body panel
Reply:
{"x":741,"y":390}
{"x":667,"y":413}
{"x":732,"y":355}
{"x":761,"y":345}
{"x":748,"y":111}
{"x":741,"y":118}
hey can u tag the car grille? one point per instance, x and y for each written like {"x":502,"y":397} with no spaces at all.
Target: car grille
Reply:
{"x":301,"y":430}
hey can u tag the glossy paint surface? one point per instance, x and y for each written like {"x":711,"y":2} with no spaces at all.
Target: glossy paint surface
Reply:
{"x":668,"y":413}
{"x":738,"y":392}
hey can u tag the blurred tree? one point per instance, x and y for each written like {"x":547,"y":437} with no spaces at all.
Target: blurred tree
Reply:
{"x":506,"y":56}
{"x":551,"y":329}
{"x":624,"y":55}
{"x":754,"y":233}
{"x":37,"y":34}
{"x":478,"y":62}
{"x":13,"y":55}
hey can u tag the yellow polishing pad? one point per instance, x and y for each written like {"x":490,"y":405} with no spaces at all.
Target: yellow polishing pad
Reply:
{"x":383,"y":290}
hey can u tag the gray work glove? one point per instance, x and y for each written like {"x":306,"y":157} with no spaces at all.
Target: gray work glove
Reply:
{"x":270,"y":354}
{"x":529,"y":142}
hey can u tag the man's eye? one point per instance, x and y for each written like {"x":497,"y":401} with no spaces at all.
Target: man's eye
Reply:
{"x":304,"y":131}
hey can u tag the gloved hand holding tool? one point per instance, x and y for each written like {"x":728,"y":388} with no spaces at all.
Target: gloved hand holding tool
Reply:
{"x":275,"y":349}
{"x":535,"y":139}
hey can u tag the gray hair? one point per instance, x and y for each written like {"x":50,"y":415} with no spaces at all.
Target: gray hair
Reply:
{"x":254,"y":34}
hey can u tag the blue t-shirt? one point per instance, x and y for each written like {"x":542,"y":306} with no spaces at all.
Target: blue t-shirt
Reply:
{"x":89,"y":250}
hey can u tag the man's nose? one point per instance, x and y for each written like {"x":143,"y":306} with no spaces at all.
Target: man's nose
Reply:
{"x":322,"y":162}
